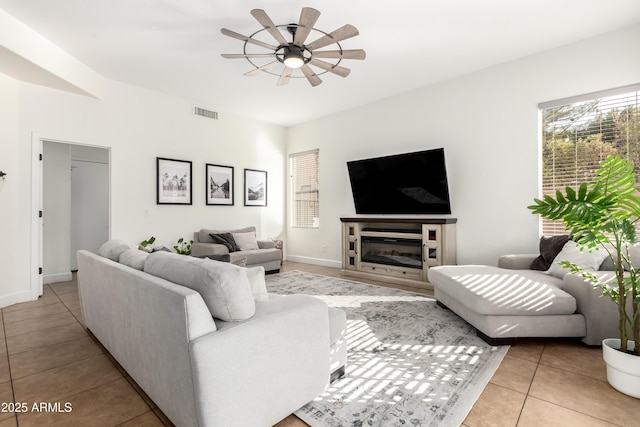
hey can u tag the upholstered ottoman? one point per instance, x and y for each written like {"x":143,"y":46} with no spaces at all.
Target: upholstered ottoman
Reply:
{"x":504,"y":304}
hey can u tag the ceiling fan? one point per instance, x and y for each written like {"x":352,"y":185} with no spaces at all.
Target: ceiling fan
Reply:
{"x":295,"y":54}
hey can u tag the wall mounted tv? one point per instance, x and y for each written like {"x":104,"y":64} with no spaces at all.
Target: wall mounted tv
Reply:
{"x":409,"y":183}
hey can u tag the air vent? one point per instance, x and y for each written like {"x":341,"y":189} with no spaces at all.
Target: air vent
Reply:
{"x":203,"y":112}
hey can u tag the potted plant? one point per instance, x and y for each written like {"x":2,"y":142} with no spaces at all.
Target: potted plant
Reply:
{"x":603,"y":214}
{"x":183,"y":248}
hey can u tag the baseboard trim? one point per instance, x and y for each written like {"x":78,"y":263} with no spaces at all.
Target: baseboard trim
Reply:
{"x":16,"y":297}
{"x":58,"y":277}
{"x":314,"y":261}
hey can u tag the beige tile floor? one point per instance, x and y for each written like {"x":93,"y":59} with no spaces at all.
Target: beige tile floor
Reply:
{"x":47,"y":356}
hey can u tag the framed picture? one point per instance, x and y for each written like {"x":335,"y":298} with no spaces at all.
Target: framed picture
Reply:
{"x":255,"y":187}
{"x":173,"y":182}
{"x":219,"y":185}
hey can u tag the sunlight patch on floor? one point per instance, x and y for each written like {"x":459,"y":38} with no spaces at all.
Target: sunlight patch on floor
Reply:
{"x":387,"y":372}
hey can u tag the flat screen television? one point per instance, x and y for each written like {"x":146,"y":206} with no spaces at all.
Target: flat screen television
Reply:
{"x":409,"y":183}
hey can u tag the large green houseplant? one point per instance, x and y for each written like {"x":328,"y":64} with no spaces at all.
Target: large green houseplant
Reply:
{"x":603,"y":214}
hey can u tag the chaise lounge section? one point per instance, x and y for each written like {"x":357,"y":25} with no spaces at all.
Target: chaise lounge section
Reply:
{"x":513,"y":300}
{"x":503,"y":304}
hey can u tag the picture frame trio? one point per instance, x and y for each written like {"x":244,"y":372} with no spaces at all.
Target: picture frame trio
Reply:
{"x":174,"y":184}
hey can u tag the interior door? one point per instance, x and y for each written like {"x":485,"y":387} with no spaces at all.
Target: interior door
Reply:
{"x":89,"y":206}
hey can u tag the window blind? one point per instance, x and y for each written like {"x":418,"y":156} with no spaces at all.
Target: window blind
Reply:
{"x":305,"y":195}
{"x":578,"y":134}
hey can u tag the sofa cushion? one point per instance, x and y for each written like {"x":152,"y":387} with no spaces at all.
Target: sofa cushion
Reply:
{"x":246,"y":241}
{"x":255,"y":275}
{"x":204,"y":234}
{"x":497,"y":291}
{"x":550,"y":246}
{"x":225,"y":239}
{"x":224,"y":287}
{"x":133,"y":258}
{"x":633,"y":252}
{"x":588,"y":260}
{"x":113,"y":248}
{"x":258,"y":256}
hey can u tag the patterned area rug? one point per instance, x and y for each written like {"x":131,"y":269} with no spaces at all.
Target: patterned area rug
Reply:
{"x":410,"y":362}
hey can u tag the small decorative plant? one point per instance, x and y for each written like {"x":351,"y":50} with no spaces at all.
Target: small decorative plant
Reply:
{"x":183,"y":247}
{"x":604,"y":213}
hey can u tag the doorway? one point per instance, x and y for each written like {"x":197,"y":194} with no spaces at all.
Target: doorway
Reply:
{"x":74,"y":206}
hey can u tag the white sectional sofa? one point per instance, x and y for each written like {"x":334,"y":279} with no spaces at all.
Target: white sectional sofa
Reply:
{"x":512,"y":301}
{"x":270,"y":356}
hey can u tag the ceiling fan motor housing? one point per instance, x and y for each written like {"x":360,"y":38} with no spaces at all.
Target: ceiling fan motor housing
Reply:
{"x":293,"y":56}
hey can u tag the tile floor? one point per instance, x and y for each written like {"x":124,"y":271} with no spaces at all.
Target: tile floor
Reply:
{"x":47,"y":356}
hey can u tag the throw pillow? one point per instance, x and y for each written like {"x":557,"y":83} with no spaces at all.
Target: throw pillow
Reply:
{"x":133,"y":258}
{"x":608,"y":263}
{"x":585,"y":259}
{"x":246,"y":241}
{"x":148,"y":249}
{"x":257,"y":282}
{"x":225,"y":239}
{"x":224,"y":287}
{"x":240,"y":262}
{"x":633,"y":252}
{"x":113,"y":248}
{"x":550,"y":247}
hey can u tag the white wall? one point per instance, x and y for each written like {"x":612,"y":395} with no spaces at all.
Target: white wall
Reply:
{"x":488,"y":124}
{"x":14,"y":198}
{"x":138,"y":125}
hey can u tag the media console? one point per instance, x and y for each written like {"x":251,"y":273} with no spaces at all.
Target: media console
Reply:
{"x":400,"y":249}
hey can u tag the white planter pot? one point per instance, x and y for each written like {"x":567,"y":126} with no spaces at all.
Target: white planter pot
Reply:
{"x":623,"y":369}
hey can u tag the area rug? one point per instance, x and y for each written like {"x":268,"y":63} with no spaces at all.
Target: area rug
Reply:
{"x":409,"y":362}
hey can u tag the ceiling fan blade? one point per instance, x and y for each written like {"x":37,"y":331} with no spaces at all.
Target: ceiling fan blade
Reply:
{"x":335,"y":69}
{"x":308,"y":18}
{"x":246,"y":39}
{"x":247,"y":55}
{"x":284,"y":77}
{"x":262,"y":17}
{"x":261,"y":69}
{"x":310,"y":75}
{"x":344,"y":54}
{"x":342,"y":33}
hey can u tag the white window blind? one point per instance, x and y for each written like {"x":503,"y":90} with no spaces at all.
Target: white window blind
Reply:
{"x":305,"y":197}
{"x":578,"y":134}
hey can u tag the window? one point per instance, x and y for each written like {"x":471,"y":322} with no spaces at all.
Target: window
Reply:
{"x":305,"y":198}
{"x":579,"y":133}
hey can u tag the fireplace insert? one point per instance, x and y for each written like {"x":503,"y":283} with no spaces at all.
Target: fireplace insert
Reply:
{"x":392,"y":251}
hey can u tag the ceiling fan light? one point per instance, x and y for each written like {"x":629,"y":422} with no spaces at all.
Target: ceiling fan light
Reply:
{"x":293,"y":60}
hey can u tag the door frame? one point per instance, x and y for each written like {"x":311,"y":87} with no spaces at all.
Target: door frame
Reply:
{"x":37,"y":247}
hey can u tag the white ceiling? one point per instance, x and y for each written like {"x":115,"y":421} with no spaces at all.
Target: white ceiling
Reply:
{"x":174,"y":46}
